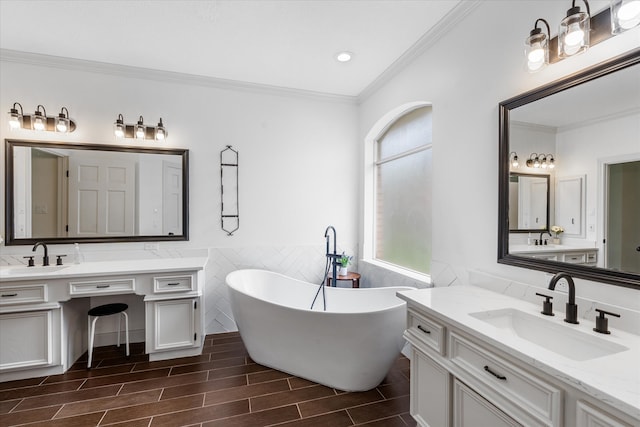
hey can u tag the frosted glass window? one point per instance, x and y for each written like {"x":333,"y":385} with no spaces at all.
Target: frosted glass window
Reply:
{"x":403,"y":192}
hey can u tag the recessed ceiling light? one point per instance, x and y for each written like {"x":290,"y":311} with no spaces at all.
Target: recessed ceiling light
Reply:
{"x":344,"y":56}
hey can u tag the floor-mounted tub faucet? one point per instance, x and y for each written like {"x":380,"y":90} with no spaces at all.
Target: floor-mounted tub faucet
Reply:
{"x":571,"y":312}
{"x":45,"y":259}
{"x":332,"y":257}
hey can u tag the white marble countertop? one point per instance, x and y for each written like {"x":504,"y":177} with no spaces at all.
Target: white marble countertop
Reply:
{"x":613,"y":379}
{"x":514,"y":249}
{"x":103,"y":268}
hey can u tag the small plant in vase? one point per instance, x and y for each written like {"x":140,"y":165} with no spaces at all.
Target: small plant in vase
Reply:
{"x":557,"y":231}
{"x":344,"y":261}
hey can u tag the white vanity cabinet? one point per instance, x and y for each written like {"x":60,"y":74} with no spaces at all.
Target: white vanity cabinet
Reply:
{"x":43,"y":316}
{"x":174,"y":316}
{"x":459,"y":379}
{"x":29,"y":329}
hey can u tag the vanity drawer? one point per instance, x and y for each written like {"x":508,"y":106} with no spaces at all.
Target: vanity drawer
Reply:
{"x":23,"y":295}
{"x":102,"y":287}
{"x":536,"y":397}
{"x":182,"y":283}
{"x":427,"y":330}
{"x":575,"y":257}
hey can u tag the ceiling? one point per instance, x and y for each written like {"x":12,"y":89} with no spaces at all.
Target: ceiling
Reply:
{"x":285,"y":43}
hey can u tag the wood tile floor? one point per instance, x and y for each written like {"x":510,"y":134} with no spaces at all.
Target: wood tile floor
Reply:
{"x":221,"y":387}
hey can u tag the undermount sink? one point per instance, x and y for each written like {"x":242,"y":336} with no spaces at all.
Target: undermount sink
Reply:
{"x":560,"y":339}
{"x":11,"y":270}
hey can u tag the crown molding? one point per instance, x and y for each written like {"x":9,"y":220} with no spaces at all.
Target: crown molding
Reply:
{"x":37,"y":59}
{"x":428,"y":39}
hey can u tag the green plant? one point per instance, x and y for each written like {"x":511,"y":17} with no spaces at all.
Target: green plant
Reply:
{"x":344,"y":260}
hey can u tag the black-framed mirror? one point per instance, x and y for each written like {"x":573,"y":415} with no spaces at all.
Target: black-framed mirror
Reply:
{"x":61,"y":192}
{"x":528,"y":202}
{"x":589,"y":107}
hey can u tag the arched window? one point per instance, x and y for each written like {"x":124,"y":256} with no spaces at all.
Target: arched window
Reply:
{"x":402,"y":179}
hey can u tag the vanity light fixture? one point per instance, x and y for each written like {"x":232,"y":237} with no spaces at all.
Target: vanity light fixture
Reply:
{"x":537,"y":47}
{"x":579,"y":30}
{"x":119,"y":127}
{"x":625,"y":14}
{"x":62,"y":121}
{"x":513,"y":159}
{"x":533,"y":161}
{"x":40,"y":121}
{"x":138,"y":130}
{"x":543,"y":161}
{"x":573,"y":33}
{"x":160,"y":132}
{"x":15,"y":117}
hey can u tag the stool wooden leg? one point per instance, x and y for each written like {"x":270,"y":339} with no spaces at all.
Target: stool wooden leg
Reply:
{"x":126,"y":332}
{"x":91,"y":337}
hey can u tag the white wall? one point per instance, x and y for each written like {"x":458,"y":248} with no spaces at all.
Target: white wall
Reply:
{"x":298,"y":164}
{"x":465,"y":75}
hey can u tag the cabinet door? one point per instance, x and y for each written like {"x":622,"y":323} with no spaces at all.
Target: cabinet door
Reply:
{"x":471,"y":410}
{"x":25,"y":339}
{"x":588,"y":416}
{"x":430,"y":391}
{"x":174,"y":324}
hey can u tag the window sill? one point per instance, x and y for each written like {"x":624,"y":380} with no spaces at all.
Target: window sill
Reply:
{"x":414,"y":275}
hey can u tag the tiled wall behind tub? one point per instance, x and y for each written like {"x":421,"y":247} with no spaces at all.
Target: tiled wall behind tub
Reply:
{"x":300,"y":262}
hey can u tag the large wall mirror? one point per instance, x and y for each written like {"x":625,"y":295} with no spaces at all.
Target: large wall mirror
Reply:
{"x":61,"y":193}
{"x":589,"y":123}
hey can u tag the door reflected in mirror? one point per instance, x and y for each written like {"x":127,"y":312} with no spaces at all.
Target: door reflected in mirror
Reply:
{"x":94,"y":193}
{"x":528,"y":203}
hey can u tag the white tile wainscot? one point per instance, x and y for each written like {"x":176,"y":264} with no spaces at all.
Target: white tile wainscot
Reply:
{"x":43,"y":310}
{"x":465,"y":369}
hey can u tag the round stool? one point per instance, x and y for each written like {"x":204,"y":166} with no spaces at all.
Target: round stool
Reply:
{"x":107,"y":310}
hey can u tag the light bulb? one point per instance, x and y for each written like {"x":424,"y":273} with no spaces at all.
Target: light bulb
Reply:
{"x":61,"y":126}
{"x":38,"y":123}
{"x":14,"y":122}
{"x":536,"y":54}
{"x":534,"y":66}
{"x":140,"y":132}
{"x":575,"y":35}
{"x":629,"y":14}
{"x":119,"y":131}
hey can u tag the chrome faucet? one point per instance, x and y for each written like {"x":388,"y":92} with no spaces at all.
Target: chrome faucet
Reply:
{"x":333,"y":257}
{"x":571,"y":311}
{"x":544,"y":232}
{"x":45,"y":259}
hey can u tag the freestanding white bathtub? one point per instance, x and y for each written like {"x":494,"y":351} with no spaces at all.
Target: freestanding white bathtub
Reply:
{"x":350,"y":346}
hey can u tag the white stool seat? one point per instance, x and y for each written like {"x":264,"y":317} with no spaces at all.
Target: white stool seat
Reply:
{"x":107,"y":310}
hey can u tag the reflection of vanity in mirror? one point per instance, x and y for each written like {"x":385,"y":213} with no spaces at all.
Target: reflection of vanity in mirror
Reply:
{"x":590,"y":124}
{"x":61,"y":192}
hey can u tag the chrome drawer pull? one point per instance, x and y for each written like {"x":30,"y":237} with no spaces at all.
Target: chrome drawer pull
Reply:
{"x":173,"y":284}
{"x":9,"y":295}
{"x":102,"y":286}
{"x":422,"y":328}
{"x":498,"y":376}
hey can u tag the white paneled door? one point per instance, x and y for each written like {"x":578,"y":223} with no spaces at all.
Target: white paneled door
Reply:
{"x":101,"y":196}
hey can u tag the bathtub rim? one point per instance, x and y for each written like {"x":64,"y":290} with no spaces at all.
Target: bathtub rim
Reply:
{"x":332,"y":289}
